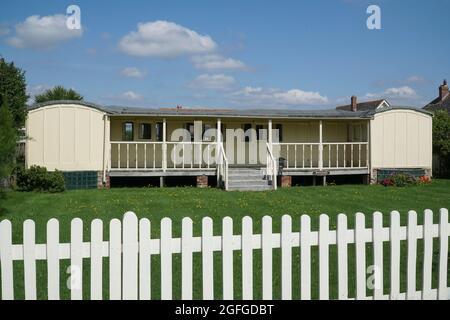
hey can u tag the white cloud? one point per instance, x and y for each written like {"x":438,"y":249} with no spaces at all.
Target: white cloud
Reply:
{"x":414,"y":80}
{"x":4,"y":30}
{"x":42,"y":32}
{"x":165,"y":39}
{"x":213,"y":82}
{"x":131,"y":96}
{"x":132,"y":72}
{"x":216,"y":62}
{"x":278,"y":98}
{"x":397,"y":93}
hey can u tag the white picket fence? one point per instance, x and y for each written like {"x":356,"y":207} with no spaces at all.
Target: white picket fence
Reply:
{"x":130,"y":248}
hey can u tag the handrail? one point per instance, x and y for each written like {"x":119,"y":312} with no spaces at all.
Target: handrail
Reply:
{"x":271,"y":166}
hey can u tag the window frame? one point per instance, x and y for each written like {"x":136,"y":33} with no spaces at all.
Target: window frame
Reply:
{"x":124,"y":131}
{"x":141,"y":131}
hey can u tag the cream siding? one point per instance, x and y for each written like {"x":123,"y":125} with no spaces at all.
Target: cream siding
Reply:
{"x":401,"y":139}
{"x":67,"y":138}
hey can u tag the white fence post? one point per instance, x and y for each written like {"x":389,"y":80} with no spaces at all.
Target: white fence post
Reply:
{"x":53,"y":281}
{"x":324,"y":264}
{"x":360,"y":247}
{"x":427,"y":255}
{"x":247,"y":258}
{"x":144,"y":260}
{"x":286,"y":257}
{"x":305,"y":257}
{"x":29,"y":259}
{"x":96,"y":259}
{"x":130,"y":257}
{"x":342,"y":251}
{"x":115,"y":259}
{"x":207,"y":259}
{"x":186,"y":259}
{"x":76,"y":259}
{"x":443,"y":254}
{"x":266,"y":244}
{"x":412,"y":254}
{"x":227,"y":258}
{"x":377,"y":234}
{"x":166,"y":259}
{"x":6,"y":260}
{"x":395,"y":255}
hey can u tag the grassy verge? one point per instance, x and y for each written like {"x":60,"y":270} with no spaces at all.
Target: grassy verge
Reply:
{"x":177,"y":203}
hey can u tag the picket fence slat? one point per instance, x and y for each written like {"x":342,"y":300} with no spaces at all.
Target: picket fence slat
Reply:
{"x":305,"y":257}
{"x":427,"y":255}
{"x":412,"y":254}
{"x":286,"y":257}
{"x":29,"y":259}
{"x":443,"y":254}
{"x":266,"y":243}
{"x":342,"y":251}
{"x":395,"y":255}
{"x":186,"y":259}
{"x":247,"y":258}
{"x":96,"y":259}
{"x":130,"y":248}
{"x":378,"y":263}
{"x":76,"y":259}
{"x":166,"y":259}
{"x":130,"y":257}
{"x":6,"y":261}
{"x":144,"y":260}
{"x":207,"y":258}
{"x":53,"y":280}
{"x":360,"y":248}
{"x":227,"y":258}
{"x":115,"y":260}
{"x":324,"y":264}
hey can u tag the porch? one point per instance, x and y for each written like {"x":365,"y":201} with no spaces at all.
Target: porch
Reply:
{"x":279,"y":147}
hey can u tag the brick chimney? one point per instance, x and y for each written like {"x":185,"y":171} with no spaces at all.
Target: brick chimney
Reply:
{"x":354,"y":106}
{"x":443,"y":90}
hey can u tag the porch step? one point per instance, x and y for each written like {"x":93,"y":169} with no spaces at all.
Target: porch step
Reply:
{"x":247,"y":179}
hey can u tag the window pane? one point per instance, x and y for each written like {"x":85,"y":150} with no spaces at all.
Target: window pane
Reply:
{"x":127,"y":131}
{"x":159,"y":131}
{"x":146,"y":131}
{"x":247,"y":127}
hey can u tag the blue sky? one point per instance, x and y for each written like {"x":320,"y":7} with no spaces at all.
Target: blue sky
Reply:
{"x":231,"y":54}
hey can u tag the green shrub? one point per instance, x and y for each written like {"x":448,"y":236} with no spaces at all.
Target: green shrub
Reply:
{"x":399,"y":180}
{"x":39,"y":179}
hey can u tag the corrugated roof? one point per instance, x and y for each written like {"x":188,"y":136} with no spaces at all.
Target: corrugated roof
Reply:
{"x":363,"y":106}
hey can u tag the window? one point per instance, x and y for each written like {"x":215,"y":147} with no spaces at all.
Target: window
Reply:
{"x":208,"y":136}
{"x":146,"y":131}
{"x":128,"y":131}
{"x":247,"y":131}
{"x":159,"y":131}
{"x":190,"y":127}
{"x":279,"y":128}
{"x":261,"y":133}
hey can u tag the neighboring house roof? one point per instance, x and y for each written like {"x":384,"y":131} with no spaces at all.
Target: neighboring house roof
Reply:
{"x":437,"y":104}
{"x":237,"y":113}
{"x":368,"y":105}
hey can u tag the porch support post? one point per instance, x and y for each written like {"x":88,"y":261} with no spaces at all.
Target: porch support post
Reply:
{"x":164,"y":146}
{"x":270,"y":134}
{"x":320,"y":146}
{"x":218,"y":142}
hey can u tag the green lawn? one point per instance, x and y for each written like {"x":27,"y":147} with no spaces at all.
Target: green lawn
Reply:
{"x":177,"y":203}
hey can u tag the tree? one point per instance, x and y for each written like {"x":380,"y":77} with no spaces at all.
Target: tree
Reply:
{"x":58,"y":93}
{"x":8,"y":140}
{"x":13,"y":91}
{"x":441,"y":140}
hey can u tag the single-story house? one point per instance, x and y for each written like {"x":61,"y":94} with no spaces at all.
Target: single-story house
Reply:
{"x":239,"y":149}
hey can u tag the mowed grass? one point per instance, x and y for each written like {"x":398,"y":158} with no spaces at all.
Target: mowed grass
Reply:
{"x":176,"y":203}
